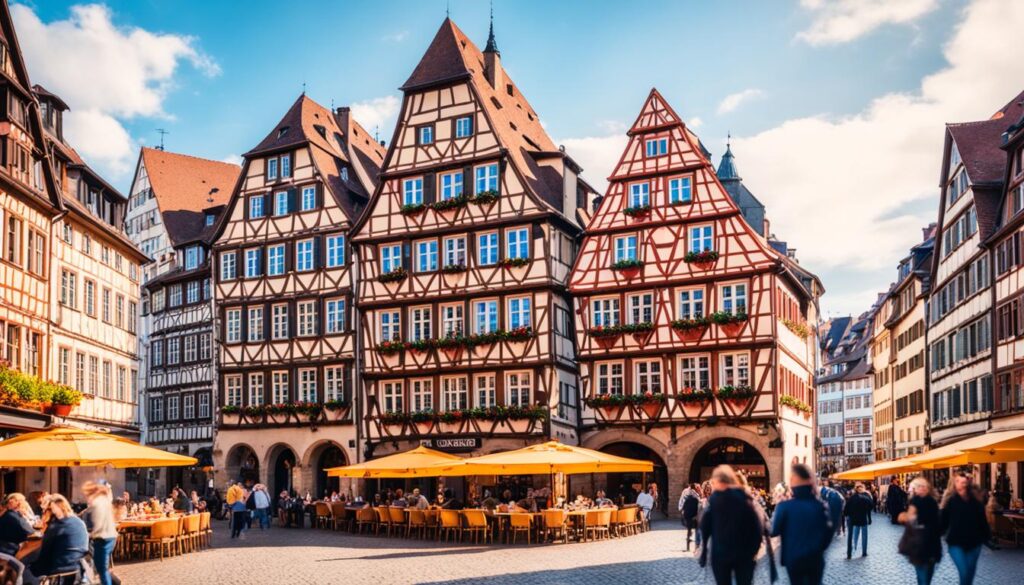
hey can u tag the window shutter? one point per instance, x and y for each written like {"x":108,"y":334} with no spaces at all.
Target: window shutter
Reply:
{"x":292,"y":203}
{"x":319,"y":253}
{"x":407,"y":257}
{"x":468,"y":187}
{"x":429,"y":188}
{"x":293,"y":319}
{"x":537,"y":233}
{"x":243,"y":320}
{"x":320,"y":195}
{"x":346,"y":372}
{"x":502,"y":165}
{"x":267,"y":324}
{"x":289,"y":257}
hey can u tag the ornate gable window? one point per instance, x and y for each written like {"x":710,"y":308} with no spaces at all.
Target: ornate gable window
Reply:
{"x":656,"y":147}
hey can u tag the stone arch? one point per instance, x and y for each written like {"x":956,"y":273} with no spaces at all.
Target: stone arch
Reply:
{"x":688,"y":447}
{"x":280,"y":462}
{"x":242,"y":463}
{"x":599,"y":440}
{"x":319,"y":456}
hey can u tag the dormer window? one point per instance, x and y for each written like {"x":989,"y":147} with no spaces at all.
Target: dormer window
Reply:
{"x":344,"y":174}
{"x":209,"y":219}
{"x":282,"y":131}
{"x":426,"y":135}
{"x":320,"y":130}
{"x":464,"y":127}
{"x":657,"y":147}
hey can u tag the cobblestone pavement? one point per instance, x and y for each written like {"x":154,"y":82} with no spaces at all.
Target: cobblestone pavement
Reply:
{"x":285,"y":556}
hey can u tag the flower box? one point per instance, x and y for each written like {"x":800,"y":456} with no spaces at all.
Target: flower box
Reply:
{"x":796,"y":404}
{"x":690,"y":329}
{"x":336,"y":409}
{"x":737,"y":397}
{"x":729,"y":323}
{"x":519,"y":334}
{"x":799,"y":329}
{"x":611,"y":405}
{"x":638,"y":212}
{"x":513,"y":262}
{"x":628,"y":268}
{"x":694,"y":400}
{"x":230,"y":417}
{"x":485,"y":197}
{"x":703,"y":260}
{"x":412,"y":208}
{"x":390,"y":347}
{"x":453,"y":268}
{"x":423,"y":420}
{"x":520,"y":425}
{"x":397,"y":275}
{"x":453,"y":204}
{"x":419,"y":346}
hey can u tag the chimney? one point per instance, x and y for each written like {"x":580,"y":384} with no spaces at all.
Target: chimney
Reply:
{"x":928,"y":232}
{"x":596,"y":203}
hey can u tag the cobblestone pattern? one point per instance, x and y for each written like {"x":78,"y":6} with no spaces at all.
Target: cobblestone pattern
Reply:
{"x":286,"y":556}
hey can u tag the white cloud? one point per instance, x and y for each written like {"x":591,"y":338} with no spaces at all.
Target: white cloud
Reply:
{"x":235,"y":159}
{"x":695,"y":123}
{"x":396,"y":37}
{"x":735,"y":100}
{"x":377,"y":114}
{"x":841,"y":21}
{"x":598,"y":156}
{"x":106,"y":73}
{"x":839,"y":188}
{"x":613,"y":126}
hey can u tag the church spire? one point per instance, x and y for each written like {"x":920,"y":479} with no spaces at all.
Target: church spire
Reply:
{"x":727,"y":168}
{"x":492,"y":45}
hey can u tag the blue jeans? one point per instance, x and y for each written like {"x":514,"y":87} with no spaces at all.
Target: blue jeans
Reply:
{"x":966,"y":561}
{"x":263,"y":515}
{"x":852,"y":533}
{"x":102,"y":548}
{"x":925,"y":573}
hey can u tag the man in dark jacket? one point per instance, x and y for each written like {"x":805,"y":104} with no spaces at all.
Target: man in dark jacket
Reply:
{"x":858,"y":516}
{"x":803,"y":523}
{"x":895,"y":501}
{"x":834,"y":500}
{"x":734,"y":528}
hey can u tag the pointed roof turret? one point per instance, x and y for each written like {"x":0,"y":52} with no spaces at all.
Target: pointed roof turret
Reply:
{"x":442,"y":62}
{"x":492,"y":45}
{"x":727,"y":168}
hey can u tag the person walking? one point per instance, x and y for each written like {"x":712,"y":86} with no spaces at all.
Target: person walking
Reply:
{"x":731,"y":529}
{"x":921,"y":542}
{"x":963,"y":522}
{"x":689,"y":504}
{"x":895,"y":501}
{"x":834,"y":500}
{"x":236,"y":501}
{"x":646,"y":502}
{"x":261,"y":499}
{"x":803,"y":523}
{"x":99,"y":520}
{"x":858,"y":515}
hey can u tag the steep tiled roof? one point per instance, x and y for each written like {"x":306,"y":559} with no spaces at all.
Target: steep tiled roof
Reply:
{"x":979,"y":142}
{"x":306,"y":121}
{"x":182,"y":185}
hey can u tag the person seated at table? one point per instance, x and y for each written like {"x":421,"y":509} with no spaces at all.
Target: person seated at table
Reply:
{"x":1017,"y":504}
{"x":449,"y":501}
{"x":377,"y":500}
{"x":36,"y":501}
{"x":399,"y":501}
{"x":490,"y":503}
{"x":506,"y":497}
{"x":524,"y":505}
{"x":418,"y":500}
{"x":65,"y":541}
{"x":297,"y":513}
{"x":601,"y":501}
{"x":15,"y":523}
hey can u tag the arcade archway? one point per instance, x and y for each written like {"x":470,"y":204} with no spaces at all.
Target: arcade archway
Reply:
{"x":326,"y":456}
{"x":624,"y":487}
{"x":740,"y":455}
{"x":243,"y":465}
{"x":282,"y":467}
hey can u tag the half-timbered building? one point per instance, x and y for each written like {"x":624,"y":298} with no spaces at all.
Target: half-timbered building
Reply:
{"x":29,"y":200}
{"x":843,"y":414}
{"x":284,"y":300}
{"x":175,"y":202}
{"x":464,"y":259}
{"x":1008,"y":298}
{"x":693,"y":332}
{"x":961,"y":360}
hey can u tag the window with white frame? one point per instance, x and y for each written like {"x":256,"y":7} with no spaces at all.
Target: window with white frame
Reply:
{"x":735,"y":369}
{"x":308,"y":198}
{"x":390,"y":258}
{"x":486,"y":316}
{"x":256,"y":389}
{"x":454,"y":392}
{"x":412,"y":191}
{"x":518,"y":243}
{"x":519,"y":312}
{"x":609,"y":378}
{"x":680,"y":190}
{"x":204,"y":405}
{"x":256,"y":207}
{"x":391,"y":397}
{"x":335,"y":316}
{"x":640,"y":308}
{"x":334,"y":383}
{"x":304,"y":255}
{"x":233,"y":325}
{"x":228,"y":266}
{"x":252,"y":263}
{"x":487,"y":249}
{"x":517,"y":386}
{"x":335,"y":251}
{"x":156,"y":408}
{"x":192,"y":257}
{"x":192,"y":292}
{"x":451,"y":185}
{"x":172,"y":408}
{"x":648,"y":376}
{"x":484,"y":388}
{"x":232,"y":391}
{"x":390,"y":325}
{"x":307,"y":318}
{"x":464,"y":127}
{"x":286,"y":166}
{"x":191,"y":348}
{"x":272,"y":169}
{"x":281,"y":203}
{"x":279,"y":321}
{"x":605,"y":312}
{"x":174,"y":350}
{"x":451,"y":320}
{"x":733,"y":298}
{"x":487,"y":178}
{"x":279,"y":386}
{"x":157,"y":354}
{"x":657,"y":147}
{"x":695,"y":372}
{"x":419,"y":321}
{"x":702,"y":238}
{"x":426,"y":135}
{"x":455,"y":251}
{"x":255,"y":324}
{"x":422,"y":394}
{"x":189,"y":407}
{"x":639,"y":194}
{"x":691,"y":303}
{"x":307,"y":385}
{"x":625,"y":248}
{"x":426,"y":256}
{"x":275,"y":260}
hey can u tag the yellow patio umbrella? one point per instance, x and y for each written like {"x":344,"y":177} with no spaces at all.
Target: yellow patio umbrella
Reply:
{"x":546,"y":458}
{"x":418,"y":462}
{"x":994,"y":447}
{"x":873,"y":470}
{"x":68,"y":447}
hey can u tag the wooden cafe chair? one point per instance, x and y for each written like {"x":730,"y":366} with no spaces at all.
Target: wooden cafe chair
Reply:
{"x":450,"y":524}
{"x":339,"y":515}
{"x":163,"y":536}
{"x":383,"y":520}
{"x":417,"y":522}
{"x":366,"y":518}
{"x":555,"y":524}
{"x":398,"y":519}
{"x":519,"y":522}
{"x":476,"y":524}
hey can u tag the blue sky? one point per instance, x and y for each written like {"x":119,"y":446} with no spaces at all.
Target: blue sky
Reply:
{"x":809,"y":81}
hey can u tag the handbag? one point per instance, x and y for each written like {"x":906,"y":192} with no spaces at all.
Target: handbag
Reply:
{"x":912,"y":544}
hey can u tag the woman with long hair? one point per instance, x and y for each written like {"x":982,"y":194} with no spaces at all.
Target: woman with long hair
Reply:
{"x":15,"y":523}
{"x":99,"y":519}
{"x":922,"y":537}
{"x":65,"y":540}
{"x":963,"y":522}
